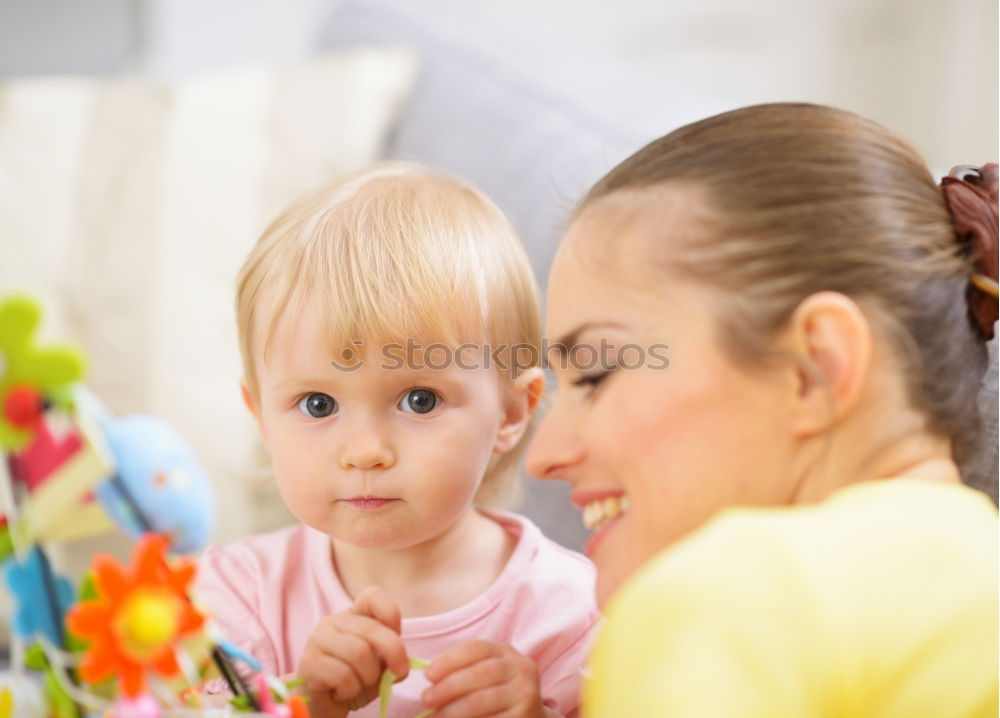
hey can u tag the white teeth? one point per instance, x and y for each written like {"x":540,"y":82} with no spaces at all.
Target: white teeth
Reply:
{"x":597,"y":513}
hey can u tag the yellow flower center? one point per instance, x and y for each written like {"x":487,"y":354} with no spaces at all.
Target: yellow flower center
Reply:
{"x":147,"y":623}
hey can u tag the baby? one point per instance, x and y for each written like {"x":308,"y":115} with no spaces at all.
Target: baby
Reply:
{"x":389,"y":327}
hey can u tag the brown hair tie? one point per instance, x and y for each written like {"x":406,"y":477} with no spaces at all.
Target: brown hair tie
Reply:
{"x":971,"y":195}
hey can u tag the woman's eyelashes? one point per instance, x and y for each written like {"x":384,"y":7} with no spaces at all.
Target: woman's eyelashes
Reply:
{"x":591,"y":382}
{"x":317,"y":405}
{"x":419,"y":401}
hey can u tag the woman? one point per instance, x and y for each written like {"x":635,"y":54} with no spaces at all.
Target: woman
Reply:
{"x":780,"y":528}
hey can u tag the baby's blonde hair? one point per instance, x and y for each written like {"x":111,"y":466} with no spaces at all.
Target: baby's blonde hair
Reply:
{"x":390,"y":253}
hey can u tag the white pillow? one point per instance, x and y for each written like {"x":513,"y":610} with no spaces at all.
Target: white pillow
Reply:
{"x":127,"y":206}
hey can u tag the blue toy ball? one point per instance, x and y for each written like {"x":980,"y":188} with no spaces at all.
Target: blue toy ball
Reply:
{"x":159,"y":485}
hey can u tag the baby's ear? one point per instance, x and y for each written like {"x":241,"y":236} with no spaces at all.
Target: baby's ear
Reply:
{"x":533,"y":381}
{"x":248,"y":399}
{"x":251,"y":404}
{"x":521,"y":402}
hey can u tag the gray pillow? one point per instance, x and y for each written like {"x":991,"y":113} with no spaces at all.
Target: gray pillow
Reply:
{"x":531,"y":123}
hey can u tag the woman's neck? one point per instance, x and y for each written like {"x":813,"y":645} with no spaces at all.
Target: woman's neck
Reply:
{"x":902,"y":448}
{"x":436,"y":575}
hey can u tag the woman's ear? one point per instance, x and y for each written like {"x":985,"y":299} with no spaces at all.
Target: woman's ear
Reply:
{"x":831,"y":339}
{"x":252,"y":405}
{"x":521,"y":402}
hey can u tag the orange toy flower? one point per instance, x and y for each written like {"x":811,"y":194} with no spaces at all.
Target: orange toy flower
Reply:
{"x":298,"y":707}
{"x":137,"y":618}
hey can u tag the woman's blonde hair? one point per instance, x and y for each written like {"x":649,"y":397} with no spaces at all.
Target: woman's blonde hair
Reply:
{"x":391,"y":253}
{"x":801,"y":198}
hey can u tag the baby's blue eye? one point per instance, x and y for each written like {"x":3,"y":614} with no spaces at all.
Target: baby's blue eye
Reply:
{"x":418,"y":401}
{"x":317,"y":405}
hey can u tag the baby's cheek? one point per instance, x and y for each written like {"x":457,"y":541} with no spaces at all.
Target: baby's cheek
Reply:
{"x":302,"y":492}
{"x":460,"y":486}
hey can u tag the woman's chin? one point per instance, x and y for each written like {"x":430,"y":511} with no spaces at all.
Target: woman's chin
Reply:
{"x":615,"y":561}
{"x":609,"y":580}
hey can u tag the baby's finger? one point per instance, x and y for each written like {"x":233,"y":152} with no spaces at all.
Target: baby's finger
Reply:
{"x":386,"y":644}
{"x":375,"y":601}
{"x":462,"y":655}
{"x":361,"y":655}
{"x":470,"y":679}
{"x":329,"y":675}
{"x":491,"y":701}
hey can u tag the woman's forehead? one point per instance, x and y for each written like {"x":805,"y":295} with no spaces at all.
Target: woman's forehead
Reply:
{"x":626,"y":222}
{"x":615,"y":264}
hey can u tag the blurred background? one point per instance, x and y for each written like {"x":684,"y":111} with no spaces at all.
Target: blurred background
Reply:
{"x":144,"y":144}
{"x":926,"y":68}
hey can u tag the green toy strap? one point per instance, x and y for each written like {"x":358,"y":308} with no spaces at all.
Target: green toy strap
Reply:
{"x":385,"y":687}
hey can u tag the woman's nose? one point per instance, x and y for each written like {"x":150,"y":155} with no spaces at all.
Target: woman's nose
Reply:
{"x":554,"y":450}
{"x":367,"y":447}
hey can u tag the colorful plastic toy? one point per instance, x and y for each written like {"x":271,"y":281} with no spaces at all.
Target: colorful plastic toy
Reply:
{"x":41,"y":597}
{"x":30,"y":376}
{"x":159,"y":485}
{"x":131,"y":643}
{"x":137,"y":618}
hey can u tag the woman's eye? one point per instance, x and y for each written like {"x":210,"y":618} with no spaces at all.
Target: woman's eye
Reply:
{"x":317,"y":405}
{"x":591,"y":381}
{"x":418,"y":401}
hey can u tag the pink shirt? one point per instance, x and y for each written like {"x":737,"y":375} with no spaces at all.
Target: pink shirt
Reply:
{"x":268,"y":592}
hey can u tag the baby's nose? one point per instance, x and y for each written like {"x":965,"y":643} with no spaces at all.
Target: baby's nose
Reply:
{"x":367,"y":449}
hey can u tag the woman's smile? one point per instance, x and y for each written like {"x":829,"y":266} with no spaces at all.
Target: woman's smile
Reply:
{"x":601,"y":510}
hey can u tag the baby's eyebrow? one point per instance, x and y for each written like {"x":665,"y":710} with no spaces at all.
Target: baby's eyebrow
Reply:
{"x":431,"y":377}
{"x":296,"y":381}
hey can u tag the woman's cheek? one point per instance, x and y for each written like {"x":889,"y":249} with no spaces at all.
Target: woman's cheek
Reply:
{"x":631,"y":424}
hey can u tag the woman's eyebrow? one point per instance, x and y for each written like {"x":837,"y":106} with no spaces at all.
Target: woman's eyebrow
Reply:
{"x":565,"y":343}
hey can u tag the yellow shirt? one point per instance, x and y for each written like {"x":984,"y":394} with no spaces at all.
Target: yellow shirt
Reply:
{"x":881,"y":602}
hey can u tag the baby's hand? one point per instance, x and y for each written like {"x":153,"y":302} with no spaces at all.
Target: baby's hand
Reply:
{"x":480,"y":678}
{"x":346,"y":654}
